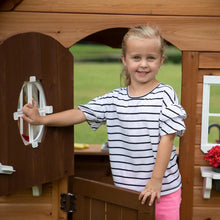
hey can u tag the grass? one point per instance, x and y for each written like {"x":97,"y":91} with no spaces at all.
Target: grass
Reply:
{"x":92,"y":79}
{"x":95,"y":79}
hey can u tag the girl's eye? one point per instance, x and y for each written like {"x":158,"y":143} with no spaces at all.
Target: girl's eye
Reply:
{"x":151,"y":58}
{"x":136,"y":57}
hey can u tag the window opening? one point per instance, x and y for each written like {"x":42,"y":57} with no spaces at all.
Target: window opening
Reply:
{"x":210,"y":132}
{"x":97,"y":71}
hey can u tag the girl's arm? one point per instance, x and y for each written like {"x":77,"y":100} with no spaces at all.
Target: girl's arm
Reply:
{"x":154,"y":185}
{"x":65,"y":118}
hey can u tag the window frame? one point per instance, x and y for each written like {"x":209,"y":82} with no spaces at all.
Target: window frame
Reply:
{"x":207,"y":82}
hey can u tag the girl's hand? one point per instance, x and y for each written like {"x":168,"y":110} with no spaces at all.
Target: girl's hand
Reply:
{"x":152,"y":191}
{"x":31,"y":113}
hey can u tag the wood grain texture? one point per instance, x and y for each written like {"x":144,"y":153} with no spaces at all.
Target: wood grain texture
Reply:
{"x":187,"y":142}
{"x":198,"y":200}
{"x":205,"y":213}
{"x":156,"y":7}
{"x":186,"y":33}
{"x":209,"y":60}
{"x":23,"y":206}
{"x":99,"y":200}
{"x":22,"y":56}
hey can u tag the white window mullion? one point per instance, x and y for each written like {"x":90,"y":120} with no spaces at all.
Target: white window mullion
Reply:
{"x":35,"y":132}
{"x":206,"y":114}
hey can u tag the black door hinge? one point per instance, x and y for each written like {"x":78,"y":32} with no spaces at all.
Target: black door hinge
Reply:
{"x":68,"y":202}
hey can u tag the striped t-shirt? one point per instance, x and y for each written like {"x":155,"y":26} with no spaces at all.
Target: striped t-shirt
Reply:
{"x":134,"y":126}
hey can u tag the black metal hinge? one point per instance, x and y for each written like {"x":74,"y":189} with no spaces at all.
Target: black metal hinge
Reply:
{"x":68,"y":202}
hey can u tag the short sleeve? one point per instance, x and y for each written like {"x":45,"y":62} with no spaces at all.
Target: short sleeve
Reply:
{"x":172,"y":116}
{"x":94,"y":112}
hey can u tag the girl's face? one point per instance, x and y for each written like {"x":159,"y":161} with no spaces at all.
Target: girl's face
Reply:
{"x":142,"y":60}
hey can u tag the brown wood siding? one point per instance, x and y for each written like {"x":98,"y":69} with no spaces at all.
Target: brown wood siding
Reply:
{"x":209,"y":64}
{"x":23,"y":205}
{"x":186,"y":33}
{"x":22,"y":56}
{"x":192,"y":26}
{"x":156,"y":7}
{"x":98,"y":201}
{"x":187,"y":142}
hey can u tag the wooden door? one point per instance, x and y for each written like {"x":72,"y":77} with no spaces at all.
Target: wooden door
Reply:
{"x":98,"y":201}
{"x":22,"y":56}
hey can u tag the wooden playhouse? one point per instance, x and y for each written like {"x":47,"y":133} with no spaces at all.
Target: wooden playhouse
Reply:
{"x":34,"y":40}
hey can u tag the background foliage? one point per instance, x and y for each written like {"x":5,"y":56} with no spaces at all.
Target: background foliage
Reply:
{"x":97,"y":71}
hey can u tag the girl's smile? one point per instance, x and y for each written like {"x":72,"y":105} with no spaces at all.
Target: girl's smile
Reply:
{"x":143,"y":60}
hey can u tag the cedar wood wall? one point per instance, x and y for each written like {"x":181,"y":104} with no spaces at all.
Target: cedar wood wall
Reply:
{"x":192,"y":26}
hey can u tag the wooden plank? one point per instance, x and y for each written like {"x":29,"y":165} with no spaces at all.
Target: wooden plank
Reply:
{"x":205,"y":213}
{"x":209,"y":60}
{"x":129,"y":214}
{"x":199,"y":113}
{"x":211,"y":72}
{"x":187,"y":142}
{"x":156,"y":7}
{"x":21,"y":56}
{"x":113,"y":212}
{"x":199,"y":155}
{"x":199,"y":92}
{"x":186,"y":33}
{"x":198,"y":134}
{"x":24,"y":206}
{"x":26,"y":196}
{"x":25,"y":211}
{"x":111,"y":194}
{"x":100,"y":206}
{"x":198,"y":200}
{"x":58,"y":187}
{"x":198,"y":180}
{"x":83,"y":210}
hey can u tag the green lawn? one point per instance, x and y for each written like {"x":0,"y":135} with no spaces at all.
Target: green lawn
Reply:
{"x":92,"y":79}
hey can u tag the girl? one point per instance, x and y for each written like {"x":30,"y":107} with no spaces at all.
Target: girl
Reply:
{"x":142,"y":121}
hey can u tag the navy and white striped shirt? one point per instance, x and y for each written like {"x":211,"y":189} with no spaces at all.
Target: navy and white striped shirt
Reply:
{"x":134,"y":126}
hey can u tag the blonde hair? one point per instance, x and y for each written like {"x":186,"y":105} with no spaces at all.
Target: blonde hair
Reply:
{"x":143,"y":32}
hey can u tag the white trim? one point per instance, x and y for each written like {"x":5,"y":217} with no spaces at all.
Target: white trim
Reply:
{"x":208,"y":174}
{"x":35,"y":132}
{"x":207,"y":81}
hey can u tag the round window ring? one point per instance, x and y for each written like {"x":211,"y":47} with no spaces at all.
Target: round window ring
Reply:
{"x":32,"y":89}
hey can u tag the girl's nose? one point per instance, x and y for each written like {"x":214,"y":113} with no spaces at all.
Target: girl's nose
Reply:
{"x":144,"y":63}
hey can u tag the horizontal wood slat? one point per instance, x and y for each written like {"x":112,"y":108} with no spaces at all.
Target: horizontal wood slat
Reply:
{"x":211,"y":72}
{"x":25,"y":211}
{"x":209,"y":60}
{"x":109,"y":193}
{"x":156,"y":7}
{"x":26,"y":197}
{"x":24,"y":206}
{"x":198,"y":200}
{"x":206,"y":213}
{"x":186,"y":33}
